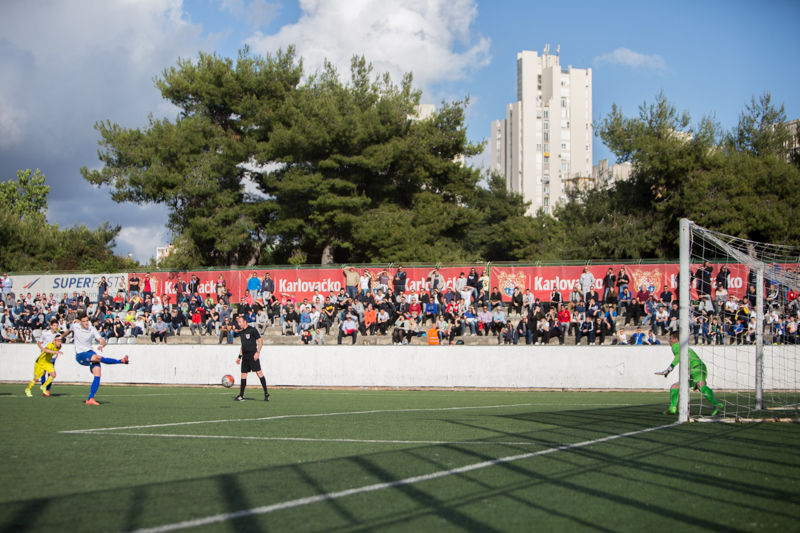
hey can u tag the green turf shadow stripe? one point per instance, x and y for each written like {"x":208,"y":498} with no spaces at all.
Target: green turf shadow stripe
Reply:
{"x":224,"y":517}
{"x":308,"y":439}
{"x":278,"y":417}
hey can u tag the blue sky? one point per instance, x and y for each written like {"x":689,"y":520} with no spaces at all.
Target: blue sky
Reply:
{"x":65,"y":65}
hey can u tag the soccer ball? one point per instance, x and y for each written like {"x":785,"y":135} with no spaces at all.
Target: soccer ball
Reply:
{"x":227,"y":381}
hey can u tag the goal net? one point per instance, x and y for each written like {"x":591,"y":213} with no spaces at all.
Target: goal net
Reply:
{"x":743,"y":324}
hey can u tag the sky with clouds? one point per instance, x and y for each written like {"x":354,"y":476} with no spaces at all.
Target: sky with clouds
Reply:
{"x":66,"y":65}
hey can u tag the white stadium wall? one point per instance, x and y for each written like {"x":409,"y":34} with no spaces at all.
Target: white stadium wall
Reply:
{"x":556,"y":367}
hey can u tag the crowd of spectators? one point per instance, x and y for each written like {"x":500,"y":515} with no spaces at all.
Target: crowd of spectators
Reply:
{"x":379,"y":304}
{"x":719,"y":317}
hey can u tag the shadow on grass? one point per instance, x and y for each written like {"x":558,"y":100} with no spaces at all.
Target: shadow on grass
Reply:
{"x":25,"y":517}
{"x":237,"y":500}
{"x":658,"y":460}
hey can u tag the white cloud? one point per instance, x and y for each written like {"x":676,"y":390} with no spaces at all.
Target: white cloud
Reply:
{"x":234,"y":7}
{"x":142,"y":241}
{"x":12,"y":124}
{"x":421,"y":36}
{"x":260,"y":13}
{"x":629,"y":58}
{"x":89,"y":61}
{"x":67,"y":65}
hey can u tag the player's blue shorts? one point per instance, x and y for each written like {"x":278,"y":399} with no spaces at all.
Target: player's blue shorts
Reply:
{"x":85,"y":358}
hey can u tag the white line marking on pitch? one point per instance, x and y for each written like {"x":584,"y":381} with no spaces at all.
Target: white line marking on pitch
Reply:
{"x":129,"y":395}
{"x":308,"y":439}
{"x":224,"y":517}
{"x":166,"y":394}
{"x":278,"y":417}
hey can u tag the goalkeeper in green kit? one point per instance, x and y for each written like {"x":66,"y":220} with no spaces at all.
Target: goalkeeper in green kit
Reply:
{"x":697,"y":377}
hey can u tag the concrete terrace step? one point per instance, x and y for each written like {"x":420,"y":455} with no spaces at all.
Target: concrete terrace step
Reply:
{"x":373,"y":340}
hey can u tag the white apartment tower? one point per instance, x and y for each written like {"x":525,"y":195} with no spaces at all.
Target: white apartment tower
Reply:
{"x":544,"y":145}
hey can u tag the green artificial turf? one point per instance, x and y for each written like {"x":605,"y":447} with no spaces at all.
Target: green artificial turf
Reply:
{"x":688,"y":477}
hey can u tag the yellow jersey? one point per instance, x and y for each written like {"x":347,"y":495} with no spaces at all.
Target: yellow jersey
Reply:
{"x":47,"y":358}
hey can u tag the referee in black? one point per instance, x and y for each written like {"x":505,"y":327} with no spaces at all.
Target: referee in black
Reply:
{"x":249,"y":355}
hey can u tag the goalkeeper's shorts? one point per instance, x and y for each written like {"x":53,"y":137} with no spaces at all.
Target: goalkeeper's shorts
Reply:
{"x":696,"y":375}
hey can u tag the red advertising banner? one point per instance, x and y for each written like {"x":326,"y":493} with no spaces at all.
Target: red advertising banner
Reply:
{"x":303,"y":283}
{"x":541,"y":280}
{"x":297,"y":283}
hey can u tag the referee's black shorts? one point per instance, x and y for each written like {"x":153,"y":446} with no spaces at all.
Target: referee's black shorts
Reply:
{"x":249,"y":364}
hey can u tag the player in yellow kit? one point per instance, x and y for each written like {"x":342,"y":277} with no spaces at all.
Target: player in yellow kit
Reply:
{"x":44,"y":363}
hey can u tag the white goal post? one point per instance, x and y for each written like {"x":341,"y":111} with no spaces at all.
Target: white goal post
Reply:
{"x":756,"y":378}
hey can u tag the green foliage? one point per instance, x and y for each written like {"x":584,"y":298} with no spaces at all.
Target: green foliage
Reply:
{"x":198,"y":165}
{"x":26,"y":197}
{"x":29,"y":243}
{"x":505,"y":233}
{"x":32,"y":244}
{"x":298,"y":257}
{"x":761,"y":129}
{"x":357,"y":167}
{"x":341,"y":166}
{"x":738,"y":183}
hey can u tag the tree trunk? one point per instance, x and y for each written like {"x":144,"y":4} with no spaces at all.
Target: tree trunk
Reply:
{"x":327,"y":254}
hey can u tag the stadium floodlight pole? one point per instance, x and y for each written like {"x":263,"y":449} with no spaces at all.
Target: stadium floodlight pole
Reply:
{"x":759,"y":339}
{"x":684,"y":301}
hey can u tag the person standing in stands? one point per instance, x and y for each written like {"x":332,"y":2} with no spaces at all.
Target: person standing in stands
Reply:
{"x":351,"y":279}
{"x":399,"y":280}
{"x":254,"y":286}
{"x":267,"y":288}
{"x":587,"y":282}
{"x":609,"y":281}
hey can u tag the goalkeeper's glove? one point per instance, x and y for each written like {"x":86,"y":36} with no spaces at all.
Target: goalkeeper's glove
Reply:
{"x":666,"y":372}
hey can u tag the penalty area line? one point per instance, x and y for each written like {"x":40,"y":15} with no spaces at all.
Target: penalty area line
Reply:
{"x":225,"y":517}
{"x":279,"y":417}
{"x":309,"y":439}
